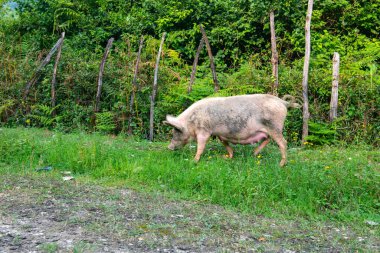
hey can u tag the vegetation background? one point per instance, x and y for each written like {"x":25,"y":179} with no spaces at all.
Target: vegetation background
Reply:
{"x":239,"y":34}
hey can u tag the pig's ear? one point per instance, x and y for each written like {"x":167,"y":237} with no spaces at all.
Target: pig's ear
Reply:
{"x":173,"y":121}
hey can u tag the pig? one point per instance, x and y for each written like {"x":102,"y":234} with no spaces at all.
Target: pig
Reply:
{"x":244,"y":119}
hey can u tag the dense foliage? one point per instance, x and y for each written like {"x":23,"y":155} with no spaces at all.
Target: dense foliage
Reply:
{"x":239,"y":34}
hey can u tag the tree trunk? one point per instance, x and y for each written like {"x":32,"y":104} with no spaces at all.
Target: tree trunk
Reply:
{"x":212,"y":65}
{"x":334,"y":89}
{"x":274,"y":55}
{"x":100,"y":77}
{"x":192,"y":77}
{"x":53,"y":81}
{"x":154,"y":91}
{"x":306,"y":114}
{"x":37,"y":74}
{"x":134,"y":85}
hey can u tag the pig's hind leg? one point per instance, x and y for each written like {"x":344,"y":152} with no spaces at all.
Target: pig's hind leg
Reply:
{"x":282,"y":144}
{"x":261,"y":146}
{"x":228,"y":147}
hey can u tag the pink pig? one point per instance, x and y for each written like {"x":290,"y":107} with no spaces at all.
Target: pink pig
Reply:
{"x":244,"y":119}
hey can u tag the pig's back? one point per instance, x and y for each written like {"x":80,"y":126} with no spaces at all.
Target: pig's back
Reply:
{"x":234,"y":114}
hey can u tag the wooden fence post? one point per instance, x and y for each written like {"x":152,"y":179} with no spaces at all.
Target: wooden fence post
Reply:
{"x":274,"y":55}
{"x":37,"y":74}
{"x":195,"y":63}
{"x":212,"y":65}
{"x":100,"y":77}
{"x":306,"y":114}
{"x":53,"y":81}
{"x":134,"y":85}
{"x":154,"y":91}
{"x":334,"y":88}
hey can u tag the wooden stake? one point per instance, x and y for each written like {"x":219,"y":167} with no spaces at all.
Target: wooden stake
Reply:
{"x":195,"y":63}
{"x":274,"y":55}
{"x":306,"y":114}
{"x":212,"y":65}
{"x":37,"y":74}
{"x":154,"y":91}
{"x":53,"y":81}
{"x":134,"y":85}
{"x":334,"y":88}
{"x":100,"y":77}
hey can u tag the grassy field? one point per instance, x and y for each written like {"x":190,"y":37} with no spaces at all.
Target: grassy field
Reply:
{"x":138,"y":196}
{"x":340,"y":183}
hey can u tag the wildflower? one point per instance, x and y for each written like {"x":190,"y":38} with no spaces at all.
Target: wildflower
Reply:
{"x":327,"y":167}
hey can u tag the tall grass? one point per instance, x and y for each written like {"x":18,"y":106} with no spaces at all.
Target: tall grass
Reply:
{"x":334,"y":182}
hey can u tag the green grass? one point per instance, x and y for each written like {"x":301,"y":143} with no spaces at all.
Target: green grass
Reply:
{"x":340,"y":183}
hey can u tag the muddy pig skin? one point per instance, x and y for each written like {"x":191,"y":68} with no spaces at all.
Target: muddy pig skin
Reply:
{"x":245,"y":119}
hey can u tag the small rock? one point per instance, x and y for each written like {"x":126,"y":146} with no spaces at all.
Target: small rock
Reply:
{"x":289,"y":251}
{"x":67,"y":178}
{"x":371,"y":223}
{"x":184,"y":248}
{"x":47,"y":168}
{"x":243,"y":237}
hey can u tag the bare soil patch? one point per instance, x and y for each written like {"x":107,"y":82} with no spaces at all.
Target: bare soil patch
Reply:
{"x":46,"y":214}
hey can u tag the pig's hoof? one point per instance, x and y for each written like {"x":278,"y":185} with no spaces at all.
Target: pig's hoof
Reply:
{"x":282,"y":163}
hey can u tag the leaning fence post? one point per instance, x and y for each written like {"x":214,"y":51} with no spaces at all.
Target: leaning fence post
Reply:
{"x":53,"y":81}
{"x":134,"y":85}
{"x":100,"y":77}
{"x":154,"y":91}
{"x":334,"y":88}
{"x":195,"y":63}
{"x":212,"y":65}
{"x":37,"y":74}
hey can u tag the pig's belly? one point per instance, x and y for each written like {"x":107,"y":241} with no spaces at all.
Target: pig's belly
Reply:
{"x":251,"y":139}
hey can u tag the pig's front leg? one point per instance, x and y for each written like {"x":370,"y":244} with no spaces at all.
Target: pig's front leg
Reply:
{"x":202,"y":139}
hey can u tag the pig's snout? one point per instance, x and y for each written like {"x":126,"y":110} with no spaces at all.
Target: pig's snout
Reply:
{"x":171,"y":146}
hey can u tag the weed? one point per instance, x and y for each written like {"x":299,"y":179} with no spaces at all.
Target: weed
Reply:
{"x":82,"y":246}
{"x":49,"y":247}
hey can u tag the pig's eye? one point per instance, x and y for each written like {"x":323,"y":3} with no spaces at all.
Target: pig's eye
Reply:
{"x":176,"y":130}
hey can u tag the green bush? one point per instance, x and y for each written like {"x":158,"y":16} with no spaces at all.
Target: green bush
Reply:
{"x":240,"y":44}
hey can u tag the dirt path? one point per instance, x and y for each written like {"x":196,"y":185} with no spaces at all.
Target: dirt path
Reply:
{"x":46,"y":214}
